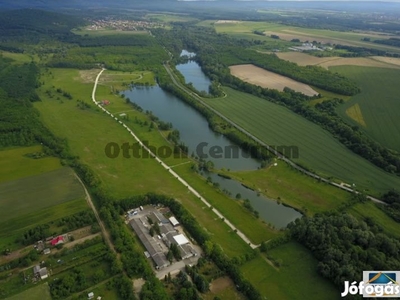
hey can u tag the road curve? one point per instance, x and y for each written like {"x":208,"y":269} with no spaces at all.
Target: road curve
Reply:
{"x":271,"y":149}
{"x":165,"y":166}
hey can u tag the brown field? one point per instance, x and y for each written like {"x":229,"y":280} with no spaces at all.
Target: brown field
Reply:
{"x":303,"y":59}
{"x":267,"y":79}
{"x":388,"y":60}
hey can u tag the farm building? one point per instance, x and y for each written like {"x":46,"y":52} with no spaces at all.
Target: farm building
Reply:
{"x":150,"y":244}
{"x":158,"y":217}
{"x":40,"y":272}
{"x":180,"y":239}
{"x":174,"y":221}
{"x":105,"y":102}
{"x":56,"y":241}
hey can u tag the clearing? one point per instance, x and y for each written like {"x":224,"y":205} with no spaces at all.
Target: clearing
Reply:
{"x":258,"y":76}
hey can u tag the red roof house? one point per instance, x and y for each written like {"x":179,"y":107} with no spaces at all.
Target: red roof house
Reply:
{"x":57,"y":240}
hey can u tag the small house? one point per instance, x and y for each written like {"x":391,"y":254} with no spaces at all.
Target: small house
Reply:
{"x":46,"y":251}
{"x":56,"y":241}
{"x":90,"y":295}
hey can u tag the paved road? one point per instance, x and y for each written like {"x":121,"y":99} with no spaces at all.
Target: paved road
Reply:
{"x":271,"y":149}
{"x":165,"y":166}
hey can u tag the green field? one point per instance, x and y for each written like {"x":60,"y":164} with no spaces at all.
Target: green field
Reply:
{"x":19,"y":58}
{"x":31,"y":194}
{"x":307,"y":194}
{"x":40,"y":292}
{"x":318,"y":150}
{"x":291,"y":32}
{"x":378,"y":101}
{"x":15,"y":165}
{"x":89,"y":132}
{"x":296,"y":278}
{"x":12,"y":229}
{"x":369,"y":209}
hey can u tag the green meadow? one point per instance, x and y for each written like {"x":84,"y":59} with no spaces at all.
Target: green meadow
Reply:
{"x":292,"y":187}
{"x":295,"y":278}
{"x":378,"y":103}
{"x":317,"y":149}
{"x":14,"y":164}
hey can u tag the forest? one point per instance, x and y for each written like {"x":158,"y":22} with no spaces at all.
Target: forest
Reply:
{"x":345,"y":246}
{"x":19,"y":120}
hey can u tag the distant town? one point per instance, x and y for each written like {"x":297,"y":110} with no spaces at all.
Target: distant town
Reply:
{"x":123,"y":25}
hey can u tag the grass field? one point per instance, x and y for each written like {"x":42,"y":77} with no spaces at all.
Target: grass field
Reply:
{"x":369,"y":209}
{"x":39,"y":292}
{"x":89,"y":132}
{"x":290,"y":32}
{"x":258,"y":76}
{"x":318,"y":150}
{"x":378,"y":101}
{"x":276,"y":182}
{"x":354,"y":112}
{"x":31,"y":194}
{"x":15,"y":165}
{"x":296,"y":278}
{"x":19,"y":58}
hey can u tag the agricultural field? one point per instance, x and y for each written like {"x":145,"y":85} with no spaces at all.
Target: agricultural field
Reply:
{"x":39,"y":292}
{"x":287,"y":33}
{"x":277,"y":182}
{"x":14,"y":228}
{"x":378,"y":103}
{"x":31,"y":194}
{"x":15,"y":164}
{"x":370,"y":210}
{"x":295,"y":278}
{"x":303,"y":59}
{"x":258,"y":76}
{"x":318,"y":150}
{"x":120,"y":176}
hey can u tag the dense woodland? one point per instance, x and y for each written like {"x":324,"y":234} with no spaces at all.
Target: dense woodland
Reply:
{"x":19,"y":120}
{"x":346,"y":246}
